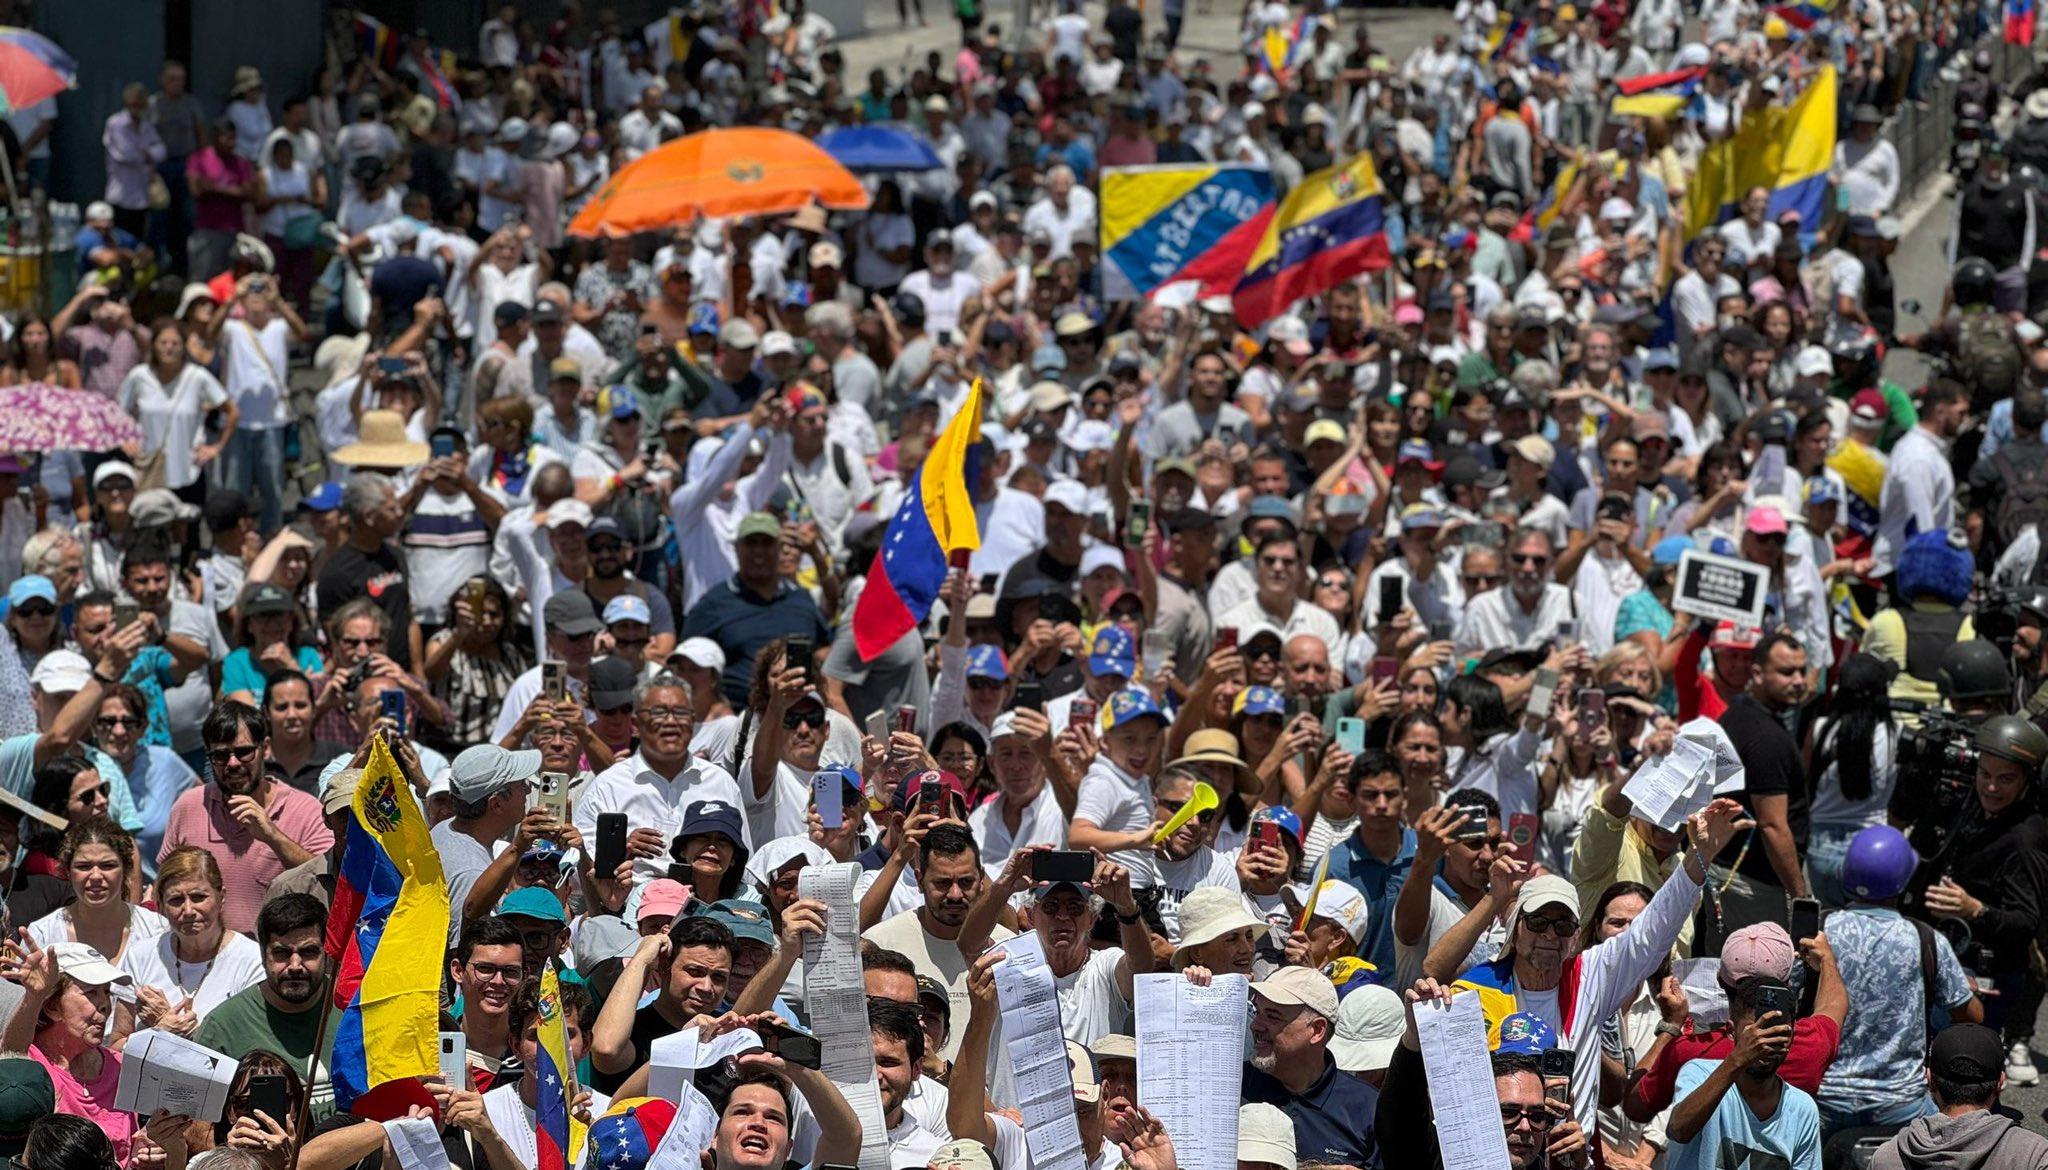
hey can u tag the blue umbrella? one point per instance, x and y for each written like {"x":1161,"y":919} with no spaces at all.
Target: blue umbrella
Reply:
{"x":879,"y":148}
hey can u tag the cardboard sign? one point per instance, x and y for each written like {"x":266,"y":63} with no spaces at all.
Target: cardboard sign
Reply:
{"x":1721,"y":588}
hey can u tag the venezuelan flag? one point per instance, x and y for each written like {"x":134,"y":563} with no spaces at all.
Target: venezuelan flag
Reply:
{"x":1506,"y":33}
{"x":390,"y":910}
{"x":936,"y":517}
{"x":557,"y":1134}
{"x":1657,"y":95}
{"x":1215,"y":272}
{"x":1331,"y":227}
{"x":1284,"y":48}
{"x":377,"y":42}
{"x":1804,"y":16}
{"x":2019,"y":22}
{"x":1784,"y":149}
{"x":1156,"y":220}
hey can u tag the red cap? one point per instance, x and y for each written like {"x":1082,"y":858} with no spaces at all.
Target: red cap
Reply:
{"x":1729,"y":636}
{"x":1868,"y":405}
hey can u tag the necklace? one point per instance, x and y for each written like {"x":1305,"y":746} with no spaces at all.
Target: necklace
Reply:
{"x":204,"y":970}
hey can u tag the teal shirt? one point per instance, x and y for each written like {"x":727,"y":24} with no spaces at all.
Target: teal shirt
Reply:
{"x":240,"y":672}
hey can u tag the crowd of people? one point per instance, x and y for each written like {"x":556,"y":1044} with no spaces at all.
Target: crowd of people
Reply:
{"x":1328,"y":646}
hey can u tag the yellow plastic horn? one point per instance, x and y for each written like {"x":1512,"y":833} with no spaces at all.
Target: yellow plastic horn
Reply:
{"x":1202,"y":801}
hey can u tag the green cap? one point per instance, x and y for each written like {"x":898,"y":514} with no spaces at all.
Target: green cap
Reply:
{"x":25,"y":1095}
{"x":760,"y":524}
{"x":535,"y":903}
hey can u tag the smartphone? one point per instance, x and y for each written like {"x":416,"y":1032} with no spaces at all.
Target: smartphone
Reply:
{"x":267,"y":1094}
{"x":1474,"y":828}
{"x":1592,"y":709}
{"x":392,"y":365}
{"x":828,"y":796}
{"x":1158,"y":650}
{"x":391,"y":705}
{"x":1267,"y":834}
{"x":798,"y":652}
{"x":126,"y":614}
{"x":1805,"y":918}
{"x":877,"y":724}
{"x":611,"y":842}
{"x":1522,"y":836}
{"x":477,"y":593}
{"x":792,"y":1044}
{"x":1567,"y":629}
{"x":960,"y":558}
{"x":1385,"y":669}
{"x":1543,"y":692}
{"x":1489,"y":533}
{"x":1082,"y":712}
{"x":1439,"y":631}
{"x":906,"y":719}
{"x":1063,"y":865}
{"x":1226,"y":638}
{"x":931,"y":795}
{"x":1390,"y":599}
{"x":1351,"y":735}
{"x":650,"y":451}
{"x":551,"y":792}
{"x":454,"y":1060}
{"x":554,"y":680}
{"x":1780,"y":999}
{"x":1139,"y":522}
{"x":442,"y":446}
{"x":1030,"y":696}
{"x":1556,"y":1065}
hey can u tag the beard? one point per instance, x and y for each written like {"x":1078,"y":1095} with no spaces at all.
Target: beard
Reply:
{"x":295,"y":989}
{"x":1266,"y":1061}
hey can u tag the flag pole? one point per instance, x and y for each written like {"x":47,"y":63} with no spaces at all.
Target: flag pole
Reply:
{"x":305,"y":1119}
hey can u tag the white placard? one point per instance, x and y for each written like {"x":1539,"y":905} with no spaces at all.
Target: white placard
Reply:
{"x":1720,"y":588}
{"x":163,"y":1070}
{"x":1191,"y":1063}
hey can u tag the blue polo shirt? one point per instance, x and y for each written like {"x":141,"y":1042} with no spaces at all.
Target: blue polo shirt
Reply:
{"x":1380,"y":881}
{"x":742,"y":621}
{"x":1332,"y":1120}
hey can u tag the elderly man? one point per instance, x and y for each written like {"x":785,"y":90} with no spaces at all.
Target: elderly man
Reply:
{"x":656,"y":783}
{"x":1294,"y":1015}
{"x":1095,"y":986}
{"x":253,"y":826}
{"x":370,"y":565}
{"x":1524,"y":614}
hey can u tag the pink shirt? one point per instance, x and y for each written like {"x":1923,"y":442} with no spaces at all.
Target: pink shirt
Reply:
{"x":94,"y":1099}
{"x":200,"y":817}
{"x":219,"y":213}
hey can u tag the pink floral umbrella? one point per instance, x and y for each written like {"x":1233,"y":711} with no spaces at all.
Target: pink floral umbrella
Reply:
{"x":39,"y":418}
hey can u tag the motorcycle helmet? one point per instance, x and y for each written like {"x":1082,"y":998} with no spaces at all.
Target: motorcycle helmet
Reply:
{"x":1975,"y":670}
{"x":1973,"y":281}
{"x":1879,"y":864}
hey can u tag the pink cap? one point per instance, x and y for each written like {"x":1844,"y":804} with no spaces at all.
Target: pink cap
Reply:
{"x":1764,"y":949}
{"x":663,"y":896}
{"x":1408,"y":313}
{"x":1765,"y":522}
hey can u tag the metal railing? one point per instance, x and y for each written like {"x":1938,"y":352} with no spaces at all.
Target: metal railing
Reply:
{"x":1923,"y":132}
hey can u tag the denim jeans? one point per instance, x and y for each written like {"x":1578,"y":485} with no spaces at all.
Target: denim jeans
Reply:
{"x":253,"y":464}
{"x":1836,"y":1119}
{"x":1827,"y":847}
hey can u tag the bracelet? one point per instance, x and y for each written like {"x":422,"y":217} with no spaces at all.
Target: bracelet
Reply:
{"x":112,"y":682}
{"x":1132,"y":920}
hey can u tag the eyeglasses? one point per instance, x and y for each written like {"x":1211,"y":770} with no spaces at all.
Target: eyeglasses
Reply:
{"x":1538,"y":1116}
{"x":793,"y":719}
{"x":496,"y":972}
{"x":603,"y":546}
{"x":240,"y":755}
{"x":623,"y":642}
{"x":1482,"y":580}
{"x":1279,"y":562}
{"x":101,"y":789}
{"x":666,"y":714}
{"x":1562,"y":925}
{"x":347,"y":641}
{"x":109,"y":722}
{"x":985,"y":684}
{"x":621,"y":709}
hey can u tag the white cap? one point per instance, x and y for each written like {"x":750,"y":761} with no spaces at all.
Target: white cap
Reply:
{"x":1090,"y":435}
{"x":1370,"y":1021}
{"x":1617,"y":208}
{"x":81,"y":962}
{"x":1813,"y":361}
{"x":826,"y":254}
{"x":112,"y":468}
{"x":1217,"y":304}
{"x":1292,"y":332}
{"x":1068,"y":494}
{"x":1252,"y":110}
{"x":981,"y":199}
{"x":1102,"y":556}
{"x":1341,"y":903}
{"x":568,"y":512}
{"x":1005,"y":724}
{"x":700,"y":651}
{"x":61,"y":672}
{"x":775,"y":342}
{"x":1265,"y":1135}
{"x":99,"y":211}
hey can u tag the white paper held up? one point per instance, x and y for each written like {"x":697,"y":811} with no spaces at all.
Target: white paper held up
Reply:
{"x":1190,"y":1059}
{"x":163,"y":1070}
{"x":1461,"y":1093}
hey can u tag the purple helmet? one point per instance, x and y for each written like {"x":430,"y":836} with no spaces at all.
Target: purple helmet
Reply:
{"x":1879,"y":864}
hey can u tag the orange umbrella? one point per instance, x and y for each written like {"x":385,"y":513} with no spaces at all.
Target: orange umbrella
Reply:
{"x":715,"y":174}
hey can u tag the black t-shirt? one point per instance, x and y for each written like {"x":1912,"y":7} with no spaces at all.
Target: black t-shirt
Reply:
{"x":1125,"y":25}
{"x":400,"y":283}
{"x":30,"y":896}
{"x":380,"y":576}
{"x":649,"y":1025}
{"x":1771,"y":767}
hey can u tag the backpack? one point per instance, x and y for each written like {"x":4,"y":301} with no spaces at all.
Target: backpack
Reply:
{"x":1987,"y":358}
{"x":2023,"y":499}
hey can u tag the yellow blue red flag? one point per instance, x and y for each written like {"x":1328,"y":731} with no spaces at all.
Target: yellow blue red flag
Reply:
{"x":935,"y":519}
{"x":1785,"y":149}
{"x":1157,"y":219}
{"x":557,"y":1132}
{"x":1331,"y":227}
{"x":390,"y":908}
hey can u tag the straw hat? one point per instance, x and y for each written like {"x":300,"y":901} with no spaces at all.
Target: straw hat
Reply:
{"x":246,"y":79}
{"x":1215,"y":746}
{"x":383,"y":443}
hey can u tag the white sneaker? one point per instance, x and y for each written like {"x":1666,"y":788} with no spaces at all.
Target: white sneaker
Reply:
{"x":2019,"y":1065}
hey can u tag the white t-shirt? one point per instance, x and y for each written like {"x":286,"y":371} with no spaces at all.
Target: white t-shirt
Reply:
{"x":144,"y":925}
{"x":1042,"y":823}
{"x":1116,"y":802}
{"x":238,"y":965}
{"x":912,"y":1143}
{"x":1091,"y":1004}
{"x":257,"y":364}
{"x":1175,"y":880}
{"x":172,"y":417}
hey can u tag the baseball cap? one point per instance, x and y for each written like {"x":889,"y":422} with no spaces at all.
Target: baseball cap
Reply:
{"x":777,"y":342}
{"x":80,"y":962}
{"x":1210,"y":912}
{"x":611,"y":683}
{"x":1259,"y":701}
{"x":700,"y":652}
{"x":627,"y":607}
{"x":544,"y":850}
{"x":1341,"y":903}
{"x":568,"y":512}
{"x":1114,"y":652}
{"x":565,"y":369}
{"x":61,"y":672}
{"x":1087,"y":1088}
{"x":1765,"y":522}
{"x":629,"y":1133}
{"x":713,"y":816}
{"x":34,"y":587}
{"x":1819,"y":489}
{"x":1265,"y":1135}
{"x":960,"y":1154}
{"x":533,"y":902}
{"x":739,"y":333}
{"x":1269,"y":508}
{"x":759,"y":524}
{"x":571,"y":614}
{"x":485,"y":769}
{"x":112,"y":468}
{"x":1130,"y":705}
{"x":1525,"y":1034}
{"x":1660,"y":359}
{"x":1323,"y":431}
{"x":1297,"y":985}
{"x":744,"y":919}
{"x":1068,"y":494}
{"x":1867,"y":406}
{"x":618,"y":402}
{"x":1417,"y":517}
{"x":340,"y":790}
{"x":1290,"y":333}
{"x":1289,"y":822}
{"x":1763,"y":949}
{"x":1813,"y":361}
{"x":1115,"y":1046}
{"x":663,"y":898}
{"x":1547,"y":890}
{"x":266,"y":598}
{"x":1964,"y":1053}
{"x":1370,"y":1022}
{"x":1670,"y":549}
{"x":1649,"y":424}
{"x":986,"y":661}
{"x":826,"y":254}
{"x":548,"y":313}
{"x":1536,"y":449}
{"x":25,"y":1095}
{"x":908,"y":791}
{"x":603,"y":937}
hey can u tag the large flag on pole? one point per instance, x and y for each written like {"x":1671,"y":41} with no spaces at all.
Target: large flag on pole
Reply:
{"x":1330,"y":228}
{"x":390,"y":911}
{"x":1785,"y":149}
{"x":1156,"y":220}
{"x":936,"y":518}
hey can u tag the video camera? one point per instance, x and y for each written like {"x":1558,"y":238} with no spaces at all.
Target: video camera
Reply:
{"x":1937,"y":781}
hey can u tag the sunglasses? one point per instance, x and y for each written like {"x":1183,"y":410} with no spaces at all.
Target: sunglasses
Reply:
{"x":1482,"y":581}
{"x":1206,"y":816}
{"x":985,"y":684}
{"x":791,"y":720}
{"x":1562,"y":925}
{"x":237,"y":754}
{"x":35,"y":609}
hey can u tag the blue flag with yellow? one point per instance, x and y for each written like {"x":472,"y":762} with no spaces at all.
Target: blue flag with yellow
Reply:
{"x":1156,"y":219}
